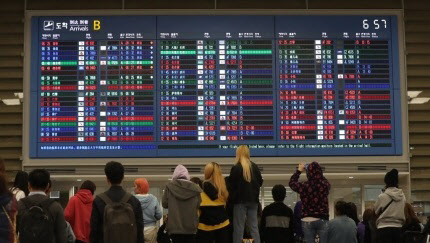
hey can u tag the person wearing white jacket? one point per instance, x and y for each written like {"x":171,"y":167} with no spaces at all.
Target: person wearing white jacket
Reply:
{"x":390,"y":210}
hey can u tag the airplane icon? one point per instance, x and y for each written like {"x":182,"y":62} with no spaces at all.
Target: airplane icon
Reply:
{"x":48,"y":25}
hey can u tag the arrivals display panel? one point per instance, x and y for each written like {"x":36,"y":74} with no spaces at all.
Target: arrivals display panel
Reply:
{"x":200,"y":85}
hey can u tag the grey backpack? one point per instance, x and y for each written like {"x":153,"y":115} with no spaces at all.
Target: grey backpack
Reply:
{"x":119,"y":222}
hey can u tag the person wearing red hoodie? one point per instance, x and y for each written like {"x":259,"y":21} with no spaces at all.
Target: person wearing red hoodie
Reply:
{"x":78,"y":211}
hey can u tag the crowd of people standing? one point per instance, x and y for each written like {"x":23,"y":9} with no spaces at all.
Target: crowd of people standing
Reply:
{"x":215,"y":209}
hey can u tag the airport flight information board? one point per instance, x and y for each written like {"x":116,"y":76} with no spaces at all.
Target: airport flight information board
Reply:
{"x":198,"y":86}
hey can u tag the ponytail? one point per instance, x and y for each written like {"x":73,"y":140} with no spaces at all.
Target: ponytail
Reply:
{"x":243,"y":157}
{"x":213,"y":174}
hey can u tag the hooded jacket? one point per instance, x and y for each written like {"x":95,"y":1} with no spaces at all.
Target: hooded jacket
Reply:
{"x":394,"y":214}
{"x":213,"y":213}
{"x":313,"y":193}
{"x":151,"y":209}
{"x":6,"y":230}
{"x":78,"y":214}
{"x":182,"y":198}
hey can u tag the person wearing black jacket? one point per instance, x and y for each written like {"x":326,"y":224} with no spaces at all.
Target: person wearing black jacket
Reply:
{"x":245,"y":181}
{"x":115,"y":174}
{"x":277,"y":223}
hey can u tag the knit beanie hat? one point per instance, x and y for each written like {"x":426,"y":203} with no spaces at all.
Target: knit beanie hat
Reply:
{"x":143,"y":185}
{"x":392,"y":178}
{"x":181,"y":173}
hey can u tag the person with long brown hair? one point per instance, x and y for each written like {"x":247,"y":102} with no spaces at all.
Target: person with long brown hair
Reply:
{"x":214,"y":222}
{"x":366,"y":229}
{"x":8,"y":211}
{"x":245,"y":181}
{"x":412,"y":228}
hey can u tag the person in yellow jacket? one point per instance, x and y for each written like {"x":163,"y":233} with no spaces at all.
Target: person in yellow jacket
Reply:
{"x":213,"y":221}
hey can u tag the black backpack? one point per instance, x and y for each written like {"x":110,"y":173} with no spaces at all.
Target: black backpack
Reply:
{"x":36,"y":223}
{"x":413,"y":237}
{"x":119,"y":222}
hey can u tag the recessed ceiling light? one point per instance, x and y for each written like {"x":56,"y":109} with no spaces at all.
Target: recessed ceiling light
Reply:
{"x":79,"y":180}
{"x":418,"y":101}
{"x":351,"y":177}
{"x":11,"y":101}
{"x":414,"y":94}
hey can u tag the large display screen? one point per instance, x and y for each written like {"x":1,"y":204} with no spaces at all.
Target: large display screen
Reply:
{"x":198,"y":86}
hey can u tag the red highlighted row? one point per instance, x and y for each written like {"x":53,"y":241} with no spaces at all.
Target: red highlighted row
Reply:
{"x":130,"y":87}
{"x":178,"y":103}
{"x":130,"y":139}
{"x":368,"y":127}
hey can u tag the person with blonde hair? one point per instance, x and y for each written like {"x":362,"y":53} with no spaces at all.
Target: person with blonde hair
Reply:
{"x":245,"y":181}
{"x":214,"y":222}
{"x":151,"y":210}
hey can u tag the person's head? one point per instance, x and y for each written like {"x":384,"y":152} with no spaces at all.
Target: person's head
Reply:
{"x":410,"y":215}
{"x":351,"y":212}
{"x":181,"y":173}
{"x":392,"y":178}
{"x":243,"y":158}
{"x":279,"y":193}
{"x":114,"y":172}
{"x":213,"y":174}
{"x":38,"y":180}
{"x":314,"y":171}
{"x":141,"y":186}
{"x":21,"y":181}
{"x":341,"y":208}
{"x":197,"y":181}
{"x":88,"y":185}
{"x":369,"y":215}
{"x":4,"y":185}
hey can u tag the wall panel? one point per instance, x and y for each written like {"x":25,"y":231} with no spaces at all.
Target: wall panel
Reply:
{"x":169,"y":4}
{"x":362,"y":4}
{"x":75,"y":4}
{"x":11,"y":73}
{"x":267,"y":4}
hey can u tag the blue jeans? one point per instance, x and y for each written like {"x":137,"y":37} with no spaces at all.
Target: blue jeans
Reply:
{"x":241,"y":212}
{"x":312,"y":229}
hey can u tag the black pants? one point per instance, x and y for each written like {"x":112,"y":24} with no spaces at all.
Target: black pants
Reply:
{"x":183,"y":238}
{"x":218,"y":236}
{"x":389,"y":235}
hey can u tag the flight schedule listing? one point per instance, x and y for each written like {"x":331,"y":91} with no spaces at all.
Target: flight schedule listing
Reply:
{"x":198,"y":86}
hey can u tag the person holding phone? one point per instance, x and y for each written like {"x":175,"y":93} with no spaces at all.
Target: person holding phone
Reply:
{"x":314,"y":196}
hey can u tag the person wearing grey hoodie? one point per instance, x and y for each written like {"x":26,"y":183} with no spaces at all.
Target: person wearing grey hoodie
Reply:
{"x":182,"y":198}
{"x":389,"y":209}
